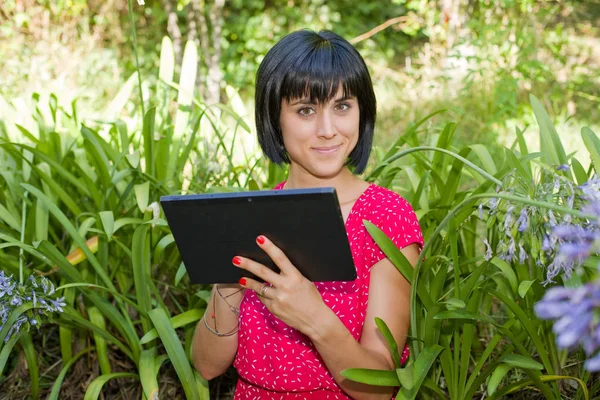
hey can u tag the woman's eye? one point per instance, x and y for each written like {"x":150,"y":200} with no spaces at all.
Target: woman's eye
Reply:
{"x":306,"y":111}
{"x":342,"y":106}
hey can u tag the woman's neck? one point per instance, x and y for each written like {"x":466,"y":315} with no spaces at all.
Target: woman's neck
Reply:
{"x":346,"y":184}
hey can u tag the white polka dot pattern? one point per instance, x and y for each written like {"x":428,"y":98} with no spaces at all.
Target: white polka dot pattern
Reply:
{"x":275,"y":361}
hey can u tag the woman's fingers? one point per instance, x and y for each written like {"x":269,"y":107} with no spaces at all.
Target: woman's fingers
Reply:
{"x":264,"y":290}
{"x":278,"y":256}
{"x":258,"y":269}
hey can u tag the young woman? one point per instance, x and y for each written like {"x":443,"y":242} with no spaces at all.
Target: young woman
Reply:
{"x":291,"y":338}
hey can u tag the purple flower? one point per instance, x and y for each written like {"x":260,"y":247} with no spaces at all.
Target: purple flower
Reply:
{"x":523,"y":220}
{"x":574,"y":310}
{"x":563,"y":167}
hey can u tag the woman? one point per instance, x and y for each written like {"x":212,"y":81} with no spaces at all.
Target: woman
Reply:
{"x":290,"y":339}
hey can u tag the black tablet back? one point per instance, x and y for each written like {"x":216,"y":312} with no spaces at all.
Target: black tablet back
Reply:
{"x":307,"y":224}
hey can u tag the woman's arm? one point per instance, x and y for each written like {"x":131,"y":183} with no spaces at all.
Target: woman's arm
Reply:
{"x":213,"y":354}
{"x":389,"y":299}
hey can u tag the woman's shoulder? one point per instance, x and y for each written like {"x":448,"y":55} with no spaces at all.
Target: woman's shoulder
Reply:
{"x":384,"y":199}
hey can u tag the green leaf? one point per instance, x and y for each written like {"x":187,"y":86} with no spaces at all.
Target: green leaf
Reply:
{"x":7,"y":349}
{"x":497,"y":376}
{"x":187,"y":84}
{"x":117,"y":104}
{"x":148,"y":135}
{"x":455,"y":303}
{"x":405,"y":376}
{"x":72,"y":231}
{"x":507,"y":272}
{"x":579,"y":171}
{"x":397,"y":258}
{"x":517,"y":360}
{"x":32,"y":363}
{"x":175,"y":351}
{"x":97,"y":319}
{"x":10,"y":219}
{"x":553,"y":152}
{"x":371,"y":376}
{"x":592,"y":143}
{"x":133,"y":159}
{"x":389,"y":338}
{"x":485,"y":157}
{"x":57,"y":385}
{"x":95,"y":387}
{"x":108,"y":223}
{"x":140,"y":259}
{"x":460,"y":314}
{"x":181,"y":271}
{"x":142,"y":194}
{"x":524,"y":288}
{"x":420,"y":370}
{"x":517,"y":386}
{"x":183,"y":319}
{"x":148,"y":373}
{"x":528,"y":324}
{"x":166,"y":68}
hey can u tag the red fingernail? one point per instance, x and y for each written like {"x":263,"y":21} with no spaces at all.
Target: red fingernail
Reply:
{"x":236,"y":260}
{"x":243,"y":281}
{"x":260,"y":239}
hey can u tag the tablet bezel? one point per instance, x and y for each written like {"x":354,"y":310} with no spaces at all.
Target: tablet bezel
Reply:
{"x":307,"y":224}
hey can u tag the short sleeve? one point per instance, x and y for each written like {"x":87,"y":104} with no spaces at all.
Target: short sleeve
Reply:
{"x":397,"y":219}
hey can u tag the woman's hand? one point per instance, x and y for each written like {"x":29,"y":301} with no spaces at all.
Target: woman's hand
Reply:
{"x":288,"y":295}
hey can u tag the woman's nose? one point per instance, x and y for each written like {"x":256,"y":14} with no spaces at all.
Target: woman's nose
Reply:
{"x":326,"y":128}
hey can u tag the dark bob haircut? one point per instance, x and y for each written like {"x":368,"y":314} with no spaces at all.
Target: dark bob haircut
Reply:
{"x":309,"y":64}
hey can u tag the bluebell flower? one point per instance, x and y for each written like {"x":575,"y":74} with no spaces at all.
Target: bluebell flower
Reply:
{"x":508,"y":218}
{"x":488,"y":250}
{"x":591,"y":189}
{"x":522,"y":254}
{"x":552,"y":218}
{"x":509,"y":255}
{"x":563,"y":167}
{"x":574,"y":310}
{"x":39,"y":290}
{"x":58,"y":304}
{"x":523,"y":220}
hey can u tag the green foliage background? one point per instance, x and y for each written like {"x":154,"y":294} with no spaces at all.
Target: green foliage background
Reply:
{"x":79,"y":160}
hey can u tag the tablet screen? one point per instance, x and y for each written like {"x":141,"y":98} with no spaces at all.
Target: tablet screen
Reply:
{"x":307,"y":224}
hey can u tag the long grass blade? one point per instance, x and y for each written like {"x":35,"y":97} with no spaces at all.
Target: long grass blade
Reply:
{"x":57,"y":385}
{"x":97,"y":319}
{"x":175,"y":351}
{"x":32,"y":363}
{"x":94,"y":389}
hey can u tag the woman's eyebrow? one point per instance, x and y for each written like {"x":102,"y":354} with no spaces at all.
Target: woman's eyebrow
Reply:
{"x":344,"y":98}
{"x":302,"y":101}
{"x":306,"y":100}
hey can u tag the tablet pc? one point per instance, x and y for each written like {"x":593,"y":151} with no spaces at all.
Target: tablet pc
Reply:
{"x":307,"y":224}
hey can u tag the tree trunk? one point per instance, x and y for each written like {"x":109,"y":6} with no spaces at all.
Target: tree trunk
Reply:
{"x":173,"y":28}
{"x":215,"y":74}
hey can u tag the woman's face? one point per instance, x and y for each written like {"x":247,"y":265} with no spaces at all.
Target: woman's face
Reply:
{"x":319,"y":137}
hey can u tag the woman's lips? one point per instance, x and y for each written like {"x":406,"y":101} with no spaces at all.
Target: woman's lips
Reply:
{"x":326,"y":150}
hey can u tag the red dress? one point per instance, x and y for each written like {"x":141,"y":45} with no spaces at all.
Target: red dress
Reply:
{"x":275,"y":361}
